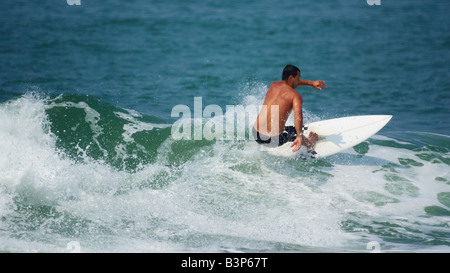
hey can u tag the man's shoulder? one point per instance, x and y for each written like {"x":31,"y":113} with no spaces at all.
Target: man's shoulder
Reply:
{"x":281,"y":88}
{"x":281,"y":85}
{"x":277,"y":84}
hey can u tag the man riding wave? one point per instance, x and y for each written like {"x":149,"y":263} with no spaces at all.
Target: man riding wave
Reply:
{"x":281,"y":98}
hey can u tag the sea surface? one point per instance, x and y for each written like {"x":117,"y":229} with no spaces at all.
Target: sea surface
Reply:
{"x":87,"y":158}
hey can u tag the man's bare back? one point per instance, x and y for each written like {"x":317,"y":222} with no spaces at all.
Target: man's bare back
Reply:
{"x":280,"y":100}
{"x":276,"y":109}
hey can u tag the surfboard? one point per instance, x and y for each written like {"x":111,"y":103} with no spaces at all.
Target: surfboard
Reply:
{"x":335,"y":135}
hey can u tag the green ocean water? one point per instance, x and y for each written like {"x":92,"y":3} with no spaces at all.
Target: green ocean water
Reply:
{"x":87,"y":155}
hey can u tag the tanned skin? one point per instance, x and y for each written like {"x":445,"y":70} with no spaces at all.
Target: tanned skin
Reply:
{"x":282,"y":95}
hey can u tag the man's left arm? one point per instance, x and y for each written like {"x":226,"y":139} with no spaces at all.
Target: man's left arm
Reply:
{"x":314,"y":84}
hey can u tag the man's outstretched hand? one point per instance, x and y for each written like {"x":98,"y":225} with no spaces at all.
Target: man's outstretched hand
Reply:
{"x":318,"y":85}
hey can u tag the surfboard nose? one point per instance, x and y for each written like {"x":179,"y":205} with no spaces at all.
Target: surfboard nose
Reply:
{"x":386,"y":118}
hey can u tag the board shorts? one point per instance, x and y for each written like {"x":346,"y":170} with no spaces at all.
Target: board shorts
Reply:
{"x":289,"y":134}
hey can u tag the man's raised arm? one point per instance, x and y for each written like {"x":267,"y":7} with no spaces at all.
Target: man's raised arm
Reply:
{"x":314,"y":84}
{"x":298,"y":121}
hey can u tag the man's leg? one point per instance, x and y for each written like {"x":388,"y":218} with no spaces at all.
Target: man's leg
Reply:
{"x":290,"y":134}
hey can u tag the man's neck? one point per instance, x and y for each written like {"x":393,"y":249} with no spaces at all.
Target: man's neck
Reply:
{"x":290,"y":85}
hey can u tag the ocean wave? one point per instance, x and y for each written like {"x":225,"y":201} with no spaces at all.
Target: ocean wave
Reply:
{"x":75,"y":168}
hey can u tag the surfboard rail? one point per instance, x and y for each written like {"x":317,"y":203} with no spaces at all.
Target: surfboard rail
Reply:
{"x":335,"y":135}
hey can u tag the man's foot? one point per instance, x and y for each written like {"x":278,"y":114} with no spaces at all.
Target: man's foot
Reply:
{"x":313,"y":138}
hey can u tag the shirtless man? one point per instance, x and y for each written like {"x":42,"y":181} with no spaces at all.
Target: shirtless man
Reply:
{"x":281,"y":99}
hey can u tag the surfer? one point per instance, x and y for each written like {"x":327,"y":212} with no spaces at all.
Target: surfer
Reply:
{"x":280,"y":100}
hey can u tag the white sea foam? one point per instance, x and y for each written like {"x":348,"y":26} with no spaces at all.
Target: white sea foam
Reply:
{"x":135,"y":125}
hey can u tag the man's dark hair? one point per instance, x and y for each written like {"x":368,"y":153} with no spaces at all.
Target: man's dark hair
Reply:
{"x":289,"y":70}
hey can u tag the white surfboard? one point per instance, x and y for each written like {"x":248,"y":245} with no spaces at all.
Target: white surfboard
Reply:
{"x":335,"y":135}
